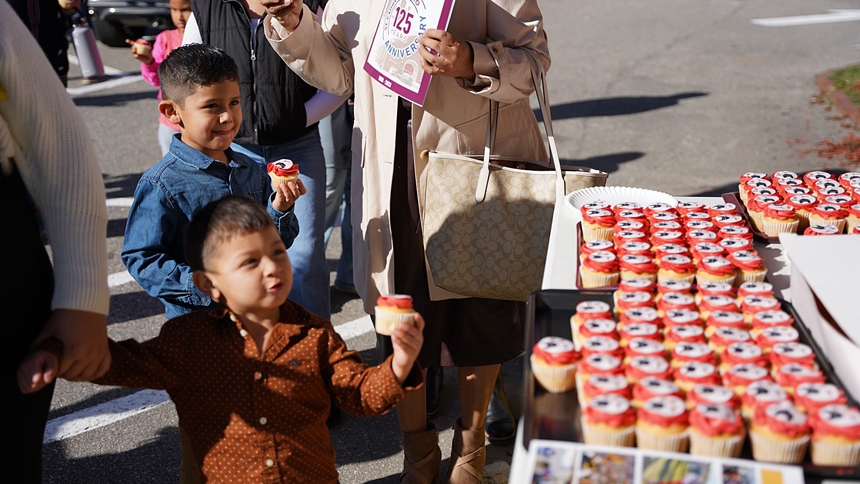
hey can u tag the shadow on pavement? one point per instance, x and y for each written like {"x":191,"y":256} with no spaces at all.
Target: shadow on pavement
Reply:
{"x":131,"y":306}
{"x":608,"y":163}
{"x":105,"y":394}
{"x":114,"y":99}
{"x":116,"y":227}
{"x":120,"y":186}
{"x":616,"y":106}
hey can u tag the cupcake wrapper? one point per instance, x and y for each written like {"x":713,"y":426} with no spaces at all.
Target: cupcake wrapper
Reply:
{"x":598,"y":279}
{"x":386,"y":321}
{"x":282,"y":180}
{"x":702,"y":277}
{"x":742,"y":194}
{"x":756,"y":219}
{"x":627,"y":275}
{"x":778,"y":451}
{"x":555,"y":379}
{"x":850,"y":223}
{"x":751,"y":276}
{"x":833,"y":454}
{"x":596,"y":232}
{"x":773,"y":227}
{"x":666,"y":443}
{"x":663,"y":277}
{"x":716,"y":446}
{"x":803,"y":219}
{"x":816,"y":220}
{"x":623,"y":437}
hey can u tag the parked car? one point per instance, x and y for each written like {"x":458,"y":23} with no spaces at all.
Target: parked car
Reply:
{"x":116,"y":20}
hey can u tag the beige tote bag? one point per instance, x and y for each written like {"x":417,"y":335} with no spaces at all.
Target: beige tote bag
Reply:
{"x":486,"y":221}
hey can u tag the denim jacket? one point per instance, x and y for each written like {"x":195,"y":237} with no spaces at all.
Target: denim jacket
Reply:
{"x":184,"y":181}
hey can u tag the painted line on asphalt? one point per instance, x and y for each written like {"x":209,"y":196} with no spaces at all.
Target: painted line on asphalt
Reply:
{"x":113,"y":411}
{"x":825,"y":18}
{"x":119,"y":278}
{"x":120,"y":202}
{"x":121,"y":78}
{"x":103,"y":414}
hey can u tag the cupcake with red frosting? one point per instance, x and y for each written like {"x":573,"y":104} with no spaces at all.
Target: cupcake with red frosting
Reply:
{"x":714,"y":289}
{"x":651,"y":386}
{"x":596,"y":245}
{"x":586,"y":310}
{"x":716,"y":430}
{"x":743,"y":184}
{"x":633,"y":216}
{"x":696,"y":236}
{"x":793,"y":374}
{"x":666,"y":226}
{"x":595,"y":205}
{"x":692,"y":351}
{"x":640,"y":315}
{"x":662,"y":237}
{"x":689,"y":333}
{"x":685,"y":208}
{"x":778,"y":334}
{"x":595,"y":327}
{"x":597,"y":364}
{"x":608,"y":420}
{"x":282,"y":172}
{"x":734,"y":244}
{"x":759,"y":395}
{"x":743,"y":353}
{"x":846,"y":179}
{"x":638,"y":267}
{"x":727,"y":220}
{"x":635,"y":248}
{"x":667,"y":286}
{"x":658,"y":207}
{"x":639,"y":330}
{"x":715,"y":269}
{"x":604,"y":385}
{"x":835,"y":436}
{"x":597,"y":224}
{"x":724,"y":336}
{"x":705,"y":249}
{"x":601,"y":345}
{"x":769,"y":319}
{"x":761,"y":289}
{"x":665,"y":217}
{"x":785,"y":353}
{"x":755,"y":304}
{"x":712,"y":395}
{"x":680,"y":317}
{"x":734,"y":231}
{"x":676,"y":268}
{"x":553,"y":363}
{"x":623,"y":236}
{"x":643,"y":347}
{"x":811,"y":396}
{"x":627,"y":286}
{"x":845,"y":201}
{"x":393,"y":310}
{"x":853,"y":219}
{"x":599,"y":269}
{"x":749,"y":264}
{"x":822,"y":229}
{"x":674,"y":301}
{"x":661,"y":424}
{"x":661,"y":251}
{"x":693,"y":373}
{"x":620,"y":207}
{"x":641,"y":366}
{"x":779,"y":218}
{"x":739,"y":377}
{"x":756,"y":206}
{"x":829,"y":214}
{"x":716,"y":302}
{"x":691,"y":225}
{"x":779,"y":433}
{"x":630,"y":300}
{"x":813,"y":176}
{"x":719,"y":319}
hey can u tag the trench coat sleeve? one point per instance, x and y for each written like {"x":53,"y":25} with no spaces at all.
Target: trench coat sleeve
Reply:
{"x":504,"y":67}
{"x":319,"y":54}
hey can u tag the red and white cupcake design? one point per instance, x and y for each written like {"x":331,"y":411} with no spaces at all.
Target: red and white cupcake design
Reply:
{"x":651,"y":386}
{"x":640,"y":315}
{"x":712,"y":395}
{"x":811,"y":396}
{"x":641,"y":366}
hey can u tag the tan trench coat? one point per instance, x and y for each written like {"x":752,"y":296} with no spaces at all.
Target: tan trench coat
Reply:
{"x":509,"y":42}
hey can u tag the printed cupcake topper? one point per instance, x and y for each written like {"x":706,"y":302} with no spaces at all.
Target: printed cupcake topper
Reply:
{"x":839,"y":415}
{"x":610,"y":403}
{"x":697,"y":369}
{"x":592,"y":307}
{"x":658,"y":386}
{"x":602,"y":362}
{"x":713,"y":393}
{"x":818,"y":392}
{"x":766,"y":391}
{"x":555,"y":345}
{"x":785,"y":411}
{"x":667,"y":406}
{"x":692,"y":350}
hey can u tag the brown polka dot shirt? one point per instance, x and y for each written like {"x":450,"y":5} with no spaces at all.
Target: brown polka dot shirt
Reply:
{"x":258,"y":418}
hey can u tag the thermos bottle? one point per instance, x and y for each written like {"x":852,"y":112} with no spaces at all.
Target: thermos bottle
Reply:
{"x":86,"y":49}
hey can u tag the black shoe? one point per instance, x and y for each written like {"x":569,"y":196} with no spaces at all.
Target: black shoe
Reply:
{"x":433,"y":384}
{"x":500,"y":425}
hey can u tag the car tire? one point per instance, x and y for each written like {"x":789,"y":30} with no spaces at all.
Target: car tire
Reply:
{"x":113,"y":34}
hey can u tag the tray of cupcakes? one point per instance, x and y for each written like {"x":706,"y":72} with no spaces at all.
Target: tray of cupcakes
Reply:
{"x":717,"y":371}
{"x":685,"y":242}
{"x":816,"y":203}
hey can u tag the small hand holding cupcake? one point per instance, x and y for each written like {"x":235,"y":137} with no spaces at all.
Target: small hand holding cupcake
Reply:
{"x":407,"y":339}
{"x":286,"y":194}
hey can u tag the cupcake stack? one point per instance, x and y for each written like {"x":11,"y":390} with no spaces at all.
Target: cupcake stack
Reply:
{"x":703,"y":372}
{"x":818,"y":203}
{"x":657,"y":242}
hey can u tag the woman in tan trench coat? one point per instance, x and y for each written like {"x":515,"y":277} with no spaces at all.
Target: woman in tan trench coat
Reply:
{"x":490,"y":51}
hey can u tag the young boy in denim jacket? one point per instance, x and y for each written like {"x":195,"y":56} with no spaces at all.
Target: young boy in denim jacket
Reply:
{"x":252,"y":383}
{"x":200,"y":93}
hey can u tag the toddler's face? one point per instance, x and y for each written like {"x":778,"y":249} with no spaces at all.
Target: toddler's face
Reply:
{"x":210,"y":118}
{"x":251,"y":272}
{"x":180,"y":10}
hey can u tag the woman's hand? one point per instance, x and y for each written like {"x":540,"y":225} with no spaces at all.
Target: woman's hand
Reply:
{"x":447,"y":55}
{"x":288,"y":12}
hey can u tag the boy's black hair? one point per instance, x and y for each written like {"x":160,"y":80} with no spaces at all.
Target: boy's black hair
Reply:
{"x":192,"y":66}
{"x":220,"y":220}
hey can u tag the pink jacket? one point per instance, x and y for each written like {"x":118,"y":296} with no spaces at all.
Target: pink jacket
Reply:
{"x":166,"y":41}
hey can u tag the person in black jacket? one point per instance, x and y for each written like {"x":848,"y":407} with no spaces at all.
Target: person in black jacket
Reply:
{"x":49,"y":21}
{"x":280,"y":116}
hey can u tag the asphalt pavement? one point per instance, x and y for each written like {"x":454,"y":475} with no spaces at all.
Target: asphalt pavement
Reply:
{"x":675,"y":95}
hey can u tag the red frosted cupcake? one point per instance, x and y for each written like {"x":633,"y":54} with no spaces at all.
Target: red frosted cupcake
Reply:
{"x":282,"y":172}
{"x":642,"y":366}
{"x":620,"y":207}
{"x":595,"y":327}
{"x":586,"y":310}
{"x":553,"y":363}
{"x":690,"y":333}
{"x":667,"y":226}
{"x":788,"y":192}
{"x":698,"y":216}
{"x":846,"y":179}
{"x":793,"y":374}
{"x":715,"y":430}
{"x":676,"y":268}
{"x":599,"y":269}
{"x":650,"y":387}
{"x":672,"y":301}
{"x":759,"y":395}
{"x":811,"y":396}
{"x":829,"y":214}
{"x":635,"y":248}
{"x":687,"y":352}
{"x":595,"y":245}
{"x":728,"y":220}
{"x":825,"y":188}
{"x":755,"y":304}
{"x":756,"y":207}
{"x":779,"y":334}
{"x":835,"y":436}
{"x":639,"y":330}
{"x":693,"y":373}
{"x":604,"y":385}
{"x":681,"y":317}
{"x":691,"y":225}
{"x":643,"y":347}
{"x":737,"y":232}
{"x":658,"y":207}
{"x":601,"y":345}
{"x":661,"y":424}
{"x":714,"y":289}
{"x":779,"y":218}
{"x":761,"y":289}
{"x":597,"y":224}
{"x":696,"y":236}
{"x":779,"y":433}
{"x":813,"y":176}
{"x":706,"y":249}
{"x":853,"y":220}
{"x":633,"y":215}
{"x":768,"y":319}
{"x":722,"y":209}
{"x":669,"y":249}
{"x":630,"y":300}
{"x":844,"y":201}
{"x":662,"y":237}
{"x":595,"y":205}
{"x":734,"y":244}
{"x":784,"y":353}
{"x":712,"y":395}
{"x":623,"y":225}
{"x":638,"y":266}
{"x":608,"y":420}
{"x":597,"y":364}
{"x":640,"y":315}
{"x":637,"y":284}
{"x":739,"y":377}
{"x":749,"y":264}
{"x":723,"y":336}
{"x":629,"y":236}
{"x":665,"y":217}
{"x":742,"y":354}
{"x":685,"y":208}
{"x":822,"y":229}
{"x":719,"y":319}
{"x":716,"y":302}
{"x":665,"y":287}
{"x":715,"y":269}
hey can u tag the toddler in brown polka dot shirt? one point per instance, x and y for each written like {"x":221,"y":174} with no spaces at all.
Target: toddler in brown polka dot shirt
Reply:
{"x":252,"y":383}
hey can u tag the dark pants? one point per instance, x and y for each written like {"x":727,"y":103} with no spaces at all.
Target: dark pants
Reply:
{"x":27,"y":282}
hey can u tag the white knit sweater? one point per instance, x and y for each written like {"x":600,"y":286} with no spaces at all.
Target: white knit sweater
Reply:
{"x":40,"y":128}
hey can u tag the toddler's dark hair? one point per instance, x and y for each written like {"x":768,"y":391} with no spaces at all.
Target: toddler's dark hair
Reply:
{"x":220,"y":220}
{"x":192,"y":66}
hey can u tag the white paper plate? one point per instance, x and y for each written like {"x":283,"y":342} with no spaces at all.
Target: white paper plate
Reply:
{"x":614,"y":195}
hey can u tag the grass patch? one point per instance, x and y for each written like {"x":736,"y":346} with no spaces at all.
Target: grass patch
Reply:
{"x":848,"y":81}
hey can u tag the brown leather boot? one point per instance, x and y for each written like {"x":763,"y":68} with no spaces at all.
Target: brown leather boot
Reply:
{"x":421,"y":456}
{"x":468,"y":455}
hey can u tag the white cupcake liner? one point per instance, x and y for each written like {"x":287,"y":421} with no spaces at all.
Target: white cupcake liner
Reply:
{"x":833,"y":454}
{"x":742,"y":193}
{"x":555,"y":379}
{"x":716,"y":446}
{"x":598,"y":279}
{"x":789,"y":451}
{"x":580,"y":390}
{"x":663,"y":442}
{"x":627,"y":275}
{"x":803,"y":219}
{"x":774,"y":227}
{"x":702,"y":277}
{"x":850,"y":223}
{"x":816,"y":220}
{"x":663,"y":276}
{"x":623,"y":437}
{"x":595,"y":232}
{"x":751,"y":276}
{"x":386,"y":320}
{"x":280,"y":180}
{"x":756,"y":219}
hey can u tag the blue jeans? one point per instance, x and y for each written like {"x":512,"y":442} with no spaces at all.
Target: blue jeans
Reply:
{"x":310,"y":269}
{"x":336,"y":137}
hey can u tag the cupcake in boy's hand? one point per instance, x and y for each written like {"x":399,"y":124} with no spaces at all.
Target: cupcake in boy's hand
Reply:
{"x":282,"y":172}
{"x":391,"y":311}
{"x":835,"y":436}
{"x":553,"y":363}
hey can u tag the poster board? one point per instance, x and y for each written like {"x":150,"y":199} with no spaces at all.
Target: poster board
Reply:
{"x":393,"y":59}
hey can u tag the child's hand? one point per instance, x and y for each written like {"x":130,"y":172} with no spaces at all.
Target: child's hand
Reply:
{"x":145,"y":58}
{"x":407,"y":341}
{"x":37,"y":370}
{"x":287,"y":194}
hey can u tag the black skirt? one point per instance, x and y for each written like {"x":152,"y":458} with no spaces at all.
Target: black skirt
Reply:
{"x":458,"y":332}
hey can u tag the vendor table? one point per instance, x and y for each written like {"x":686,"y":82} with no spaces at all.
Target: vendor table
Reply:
{"x":561,"y":273}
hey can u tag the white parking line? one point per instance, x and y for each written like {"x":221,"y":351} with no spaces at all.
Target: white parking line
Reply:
{"x":113,"y":411}
{"x":122,"y":78}
{"x":831,"y":16}
{"x":120,"y":202}
{"x":119,"y":278}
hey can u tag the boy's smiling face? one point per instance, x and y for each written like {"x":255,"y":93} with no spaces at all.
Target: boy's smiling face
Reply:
{"x":250,"y":272}
{"x":209,"y":118}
